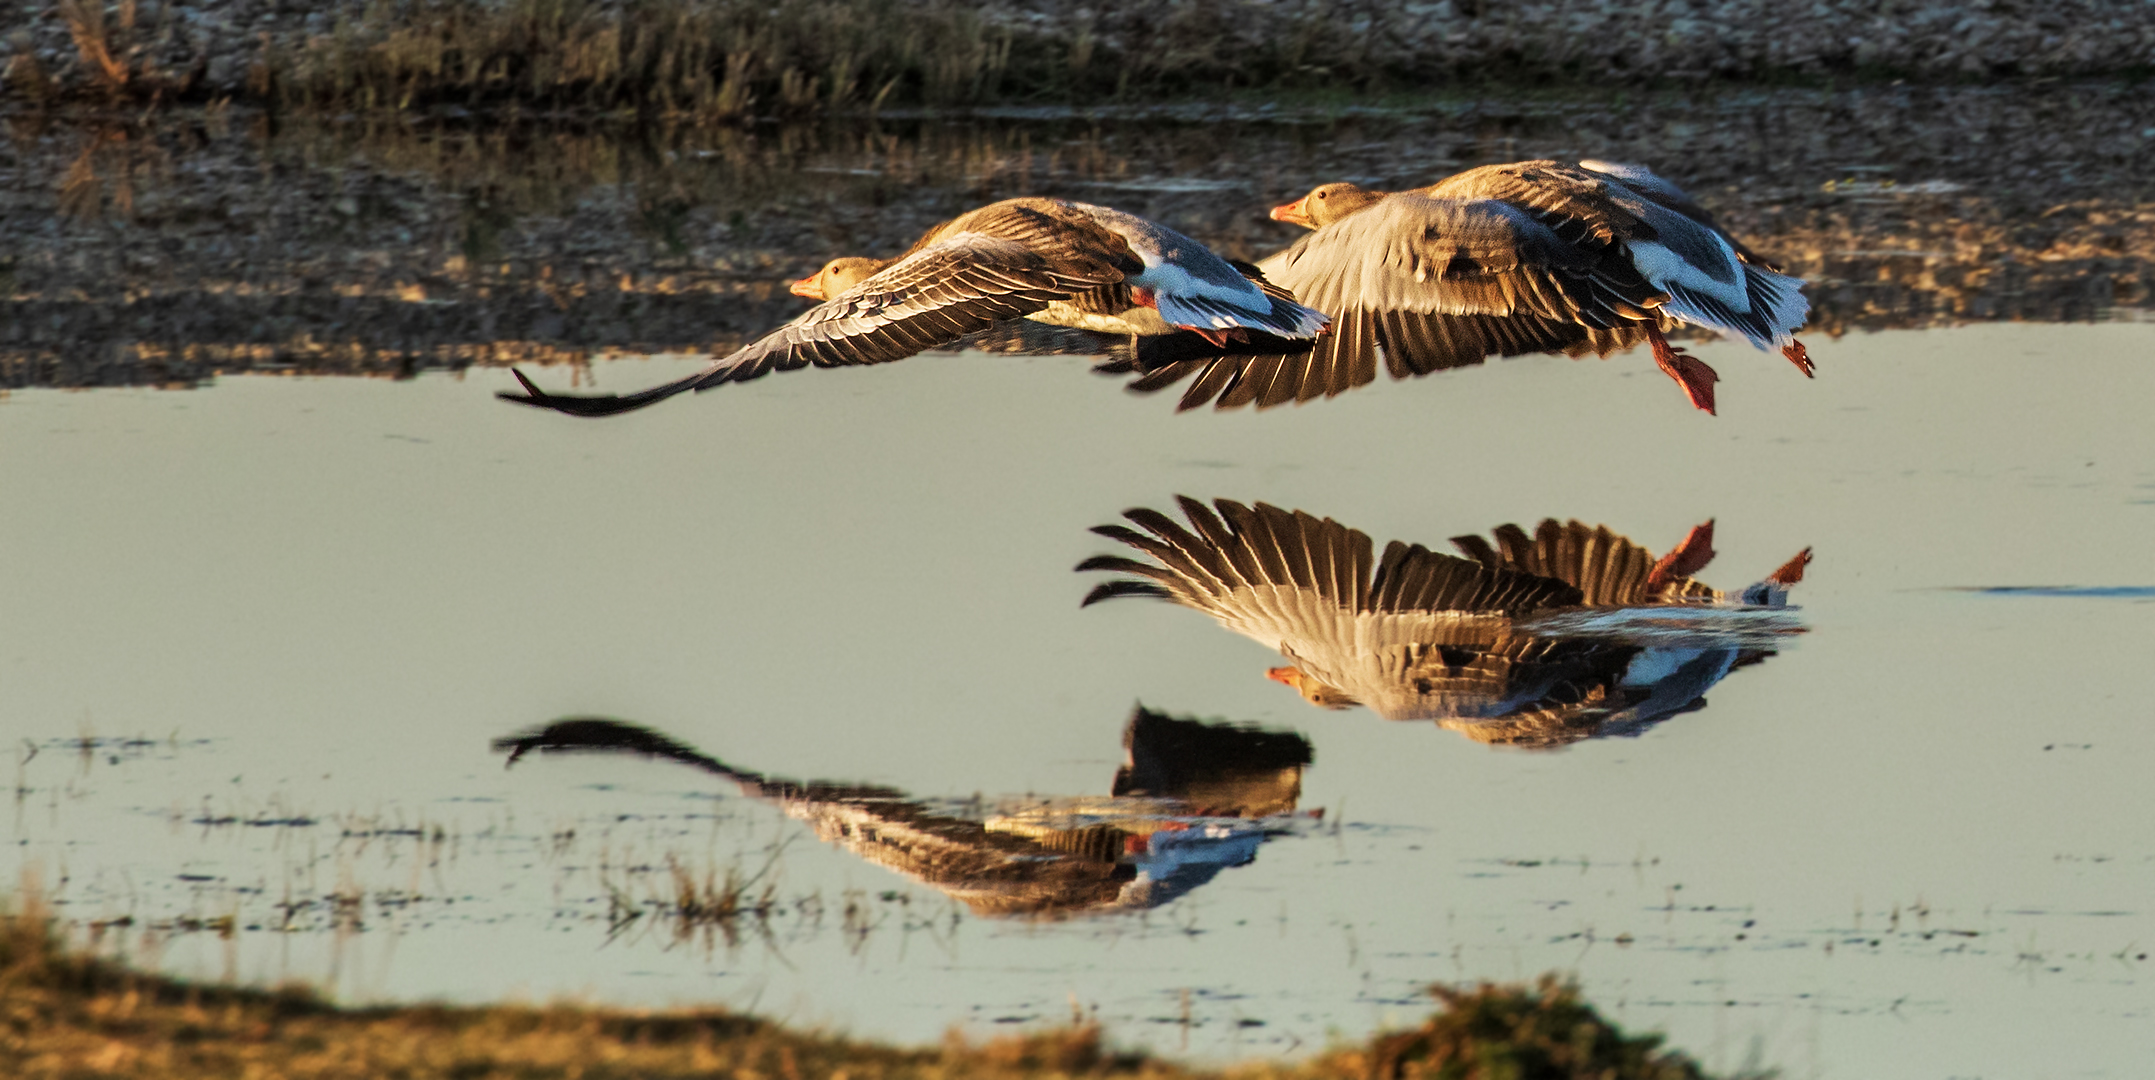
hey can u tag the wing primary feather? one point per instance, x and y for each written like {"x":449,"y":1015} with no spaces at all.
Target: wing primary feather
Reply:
{"x":1110,"y":590}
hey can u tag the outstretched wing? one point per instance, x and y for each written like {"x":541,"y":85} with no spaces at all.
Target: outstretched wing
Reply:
{"x":1309,"y":586}
{"x":1608,"y":570}
{"x":1457,"y":256}
{"x":1637,"y":224}
{"x":1426,"y":284}
{"x":1006,"y":261}
{"x":1654,"y":186}
{"x":1405,"y":344}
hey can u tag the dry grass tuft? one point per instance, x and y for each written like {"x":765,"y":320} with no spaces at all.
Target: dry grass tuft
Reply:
{"x":86,"y":24}
{"x":116,"y":53}
{"x":663,"y":57}
{"x":728,"y":59}
{"x":67,"y":1014}
{"x":1499,"y":1033}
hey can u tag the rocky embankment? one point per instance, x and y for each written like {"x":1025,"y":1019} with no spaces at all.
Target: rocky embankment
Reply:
{"x":166,"y":251}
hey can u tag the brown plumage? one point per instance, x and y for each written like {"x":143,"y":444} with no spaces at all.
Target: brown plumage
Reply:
{"x":1502,"y":260}
{"x":1017,"y":258}
{"x":1002,"y":261}
{"x":1038,"y":858}
{"x":1419,"y":634}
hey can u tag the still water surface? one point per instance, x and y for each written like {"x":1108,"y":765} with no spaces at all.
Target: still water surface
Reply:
{"x":258,"y":641}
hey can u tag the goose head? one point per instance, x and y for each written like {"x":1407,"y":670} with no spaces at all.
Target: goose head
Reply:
{"x":1325,"y":204}
{"x":1312,"y":689}
{"x":837,"y":276}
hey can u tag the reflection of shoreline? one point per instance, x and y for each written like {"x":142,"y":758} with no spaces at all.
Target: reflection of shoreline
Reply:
{"x":163,"y":255}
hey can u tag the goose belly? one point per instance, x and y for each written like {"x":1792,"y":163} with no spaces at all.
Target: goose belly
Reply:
{"x":1135,"y":320}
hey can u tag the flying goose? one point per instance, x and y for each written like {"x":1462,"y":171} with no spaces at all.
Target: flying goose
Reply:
{"x":1418,"y":634}
{"x":1006,"y":260}
{"x":1532,"y":256}
{"x":1111,"y":310}
{"x":1169,"y":826}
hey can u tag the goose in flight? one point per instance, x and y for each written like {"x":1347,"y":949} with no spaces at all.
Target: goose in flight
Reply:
{"x":1192,"y":798}
{"x":1532,"y":256}
{"x":1471,"y":640}
{"x":1071,"y":261}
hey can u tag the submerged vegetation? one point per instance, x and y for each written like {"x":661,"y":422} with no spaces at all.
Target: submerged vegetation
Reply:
{"x":64,"y":1013}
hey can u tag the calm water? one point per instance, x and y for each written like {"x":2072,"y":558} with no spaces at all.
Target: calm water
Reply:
{"x":259,"y":639}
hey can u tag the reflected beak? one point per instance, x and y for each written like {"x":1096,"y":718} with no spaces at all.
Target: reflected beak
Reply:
{"x":1292,"y":676}
{"x":810,"y":287}
{"x":1293,"y":213}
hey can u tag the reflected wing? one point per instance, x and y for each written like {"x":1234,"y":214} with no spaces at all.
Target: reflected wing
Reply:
{"x":1009,"y":261}
{"x":1040,"y":863}
{"x":1310,"y":588}
{"x":1608,"y":570}
{"x":1506,"y":677}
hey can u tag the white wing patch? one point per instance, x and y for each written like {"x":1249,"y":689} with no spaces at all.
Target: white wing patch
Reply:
{"x":1664,"y":268}
{"x":1168,"y":279}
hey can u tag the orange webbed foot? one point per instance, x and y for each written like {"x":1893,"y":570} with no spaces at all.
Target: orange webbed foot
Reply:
{"x":1689,"y":371}
{"x":1791,"y":571}
{"x":1801,"y":357}
{"x":1685,"y":559}
{"x":1220,"y":338}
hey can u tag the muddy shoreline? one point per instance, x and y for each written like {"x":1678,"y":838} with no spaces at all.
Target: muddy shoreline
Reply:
{"x":169,"y":249}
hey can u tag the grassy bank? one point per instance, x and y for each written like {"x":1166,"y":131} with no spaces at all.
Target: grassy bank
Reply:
{"x":732,"y":59}
{"x":711,"y":59}
{"x":67,"y":1014}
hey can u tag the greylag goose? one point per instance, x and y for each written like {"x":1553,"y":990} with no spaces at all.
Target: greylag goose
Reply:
{"x":1137,"y":848}
{"x":1111,"y":310}
{"x":1533,"y":256}
{"x":1007,"y":260}
{"x":1467,"y":641}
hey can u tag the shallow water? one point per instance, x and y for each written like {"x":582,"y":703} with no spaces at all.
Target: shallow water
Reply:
{"x":259,"y":639}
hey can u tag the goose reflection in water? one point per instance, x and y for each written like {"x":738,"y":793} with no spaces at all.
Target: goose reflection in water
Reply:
{"x":1191,"y":799}
{"x":1533,"y":640}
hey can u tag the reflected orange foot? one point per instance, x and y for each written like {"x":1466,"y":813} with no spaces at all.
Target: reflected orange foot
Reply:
{"x":1686,"y":560}
{"x":1801,"y":357}
{"x":1689,"y":371}
{"x":1791,"y":571}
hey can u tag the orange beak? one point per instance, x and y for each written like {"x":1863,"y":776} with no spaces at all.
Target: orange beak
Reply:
{"x":1293,"y":213}
{"x":1292,"y":676}
{"x":810,"y":287}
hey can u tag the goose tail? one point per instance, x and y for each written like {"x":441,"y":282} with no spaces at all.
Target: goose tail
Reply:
{"x":1778,"y":308}
{"x":1279,"y":316}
